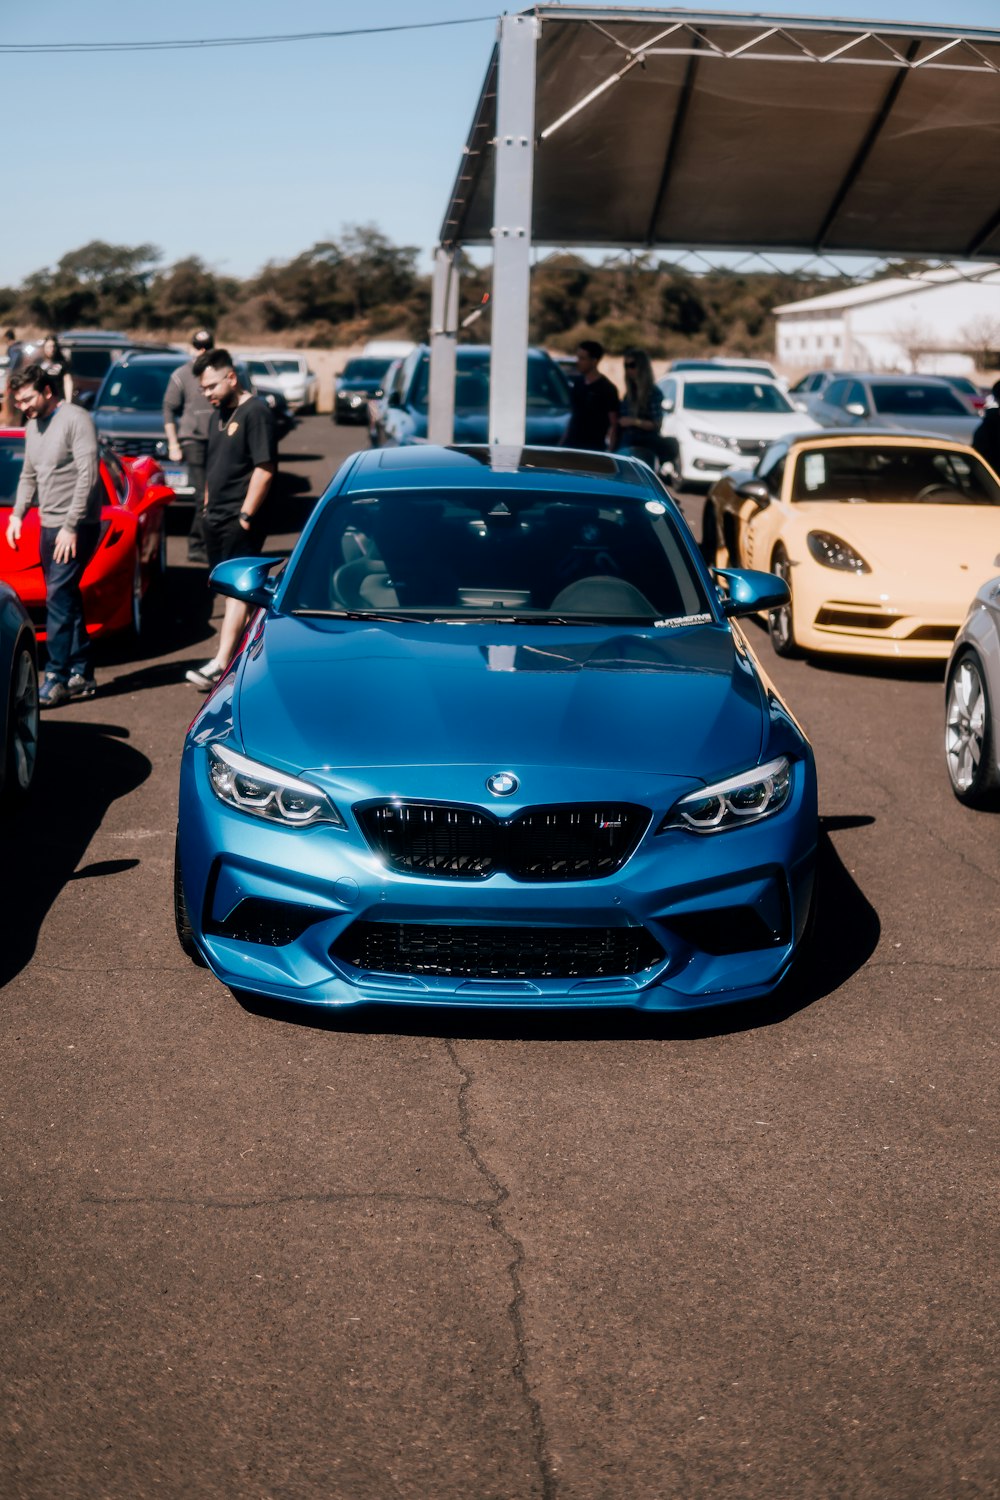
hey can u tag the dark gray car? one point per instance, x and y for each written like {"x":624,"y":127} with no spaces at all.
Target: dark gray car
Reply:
{"x":18,"y":700}
{"x":912,"y":403}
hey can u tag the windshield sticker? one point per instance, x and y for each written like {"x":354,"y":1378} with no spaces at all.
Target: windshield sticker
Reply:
{"x":815,"y":471}
{"x":683,"y":620}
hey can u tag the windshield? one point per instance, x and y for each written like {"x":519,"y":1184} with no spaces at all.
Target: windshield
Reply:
{"x":286,"y":367}
{"x":917,"y":401}
{"x":488,"y":554}
{"x":11,"y":464}
{"x":893,"y":475}
{"x":734,"y":395}
{"x":547,"y":388}
{"x":136,"y":387}
{"x":366,"y":369}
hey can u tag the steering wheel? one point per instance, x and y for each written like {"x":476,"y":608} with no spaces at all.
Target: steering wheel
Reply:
{"x":934,"y":489}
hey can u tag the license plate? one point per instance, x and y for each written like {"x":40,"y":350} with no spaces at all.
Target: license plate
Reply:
{"x":176,"y":478}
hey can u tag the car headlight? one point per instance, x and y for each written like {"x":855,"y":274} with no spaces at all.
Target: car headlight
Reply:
{"x":734,"y":803}
{"x":832,"y":552}
{"x":714,"y":439}
{"x":265,"y":793}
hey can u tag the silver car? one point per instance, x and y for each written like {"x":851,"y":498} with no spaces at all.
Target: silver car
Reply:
{"x":913,"y":403}
{"x":18,"y":700}
{"x":972,"y":703}
{"x":284,"y":374}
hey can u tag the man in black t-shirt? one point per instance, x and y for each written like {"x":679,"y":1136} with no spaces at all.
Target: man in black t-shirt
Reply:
{"x":593,"y":401}
{"x":242,"y":458}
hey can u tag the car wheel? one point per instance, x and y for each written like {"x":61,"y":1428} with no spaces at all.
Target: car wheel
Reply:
{"x":21,"y":750}
{"x":968,"y":739}
{"x":185,"y":932}
{"x":781,"y":621}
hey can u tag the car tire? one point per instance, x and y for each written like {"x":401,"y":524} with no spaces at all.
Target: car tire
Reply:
{"x":21,"y":747}
{"x":969,"y":752}
{"x":185,"y":932}
{"x":781,"y":622}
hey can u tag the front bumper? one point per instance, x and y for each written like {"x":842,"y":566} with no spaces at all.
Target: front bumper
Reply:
{"x":858,"y":615}
{"x":298,"y":914}
{"x":352,"y":406}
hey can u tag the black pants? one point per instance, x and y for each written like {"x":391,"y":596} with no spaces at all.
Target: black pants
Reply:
{"x":195,"y":453}
{"x":66,"y":639}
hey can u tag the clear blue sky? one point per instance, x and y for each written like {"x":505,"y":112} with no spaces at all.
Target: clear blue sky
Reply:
{"x":247,"y":154}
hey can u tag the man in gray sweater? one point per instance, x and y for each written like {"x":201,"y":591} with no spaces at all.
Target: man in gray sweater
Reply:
{"x":61,"y":472}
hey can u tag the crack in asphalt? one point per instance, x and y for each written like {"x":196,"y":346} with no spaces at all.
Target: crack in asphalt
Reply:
{"x":515,"y":1309}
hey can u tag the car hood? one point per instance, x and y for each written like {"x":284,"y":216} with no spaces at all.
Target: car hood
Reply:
{"x":119,"y":423}
{"x":940,"y":546}
{"x":318,"y":694}
{"x":960,"y":428}
{"x":474,"y":427}
{"x":771,"y":425}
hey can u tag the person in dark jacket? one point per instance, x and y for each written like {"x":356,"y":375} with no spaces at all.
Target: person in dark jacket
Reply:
{"x":986,"y":438}
{"x":187,"y":415}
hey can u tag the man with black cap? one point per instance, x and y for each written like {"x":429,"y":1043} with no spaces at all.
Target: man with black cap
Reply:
{"x":186,"y":416}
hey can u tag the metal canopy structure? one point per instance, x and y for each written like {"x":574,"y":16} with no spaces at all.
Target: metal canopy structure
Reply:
{"x":677,"y":129}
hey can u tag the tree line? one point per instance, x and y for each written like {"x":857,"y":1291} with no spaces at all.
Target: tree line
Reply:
{"x":361,"y":285}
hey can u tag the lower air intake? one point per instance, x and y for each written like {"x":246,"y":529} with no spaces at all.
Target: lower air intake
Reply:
{"x":497,"y":952}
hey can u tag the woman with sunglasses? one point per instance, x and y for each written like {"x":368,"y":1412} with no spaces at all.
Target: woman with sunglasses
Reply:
{"x":641,"y":410}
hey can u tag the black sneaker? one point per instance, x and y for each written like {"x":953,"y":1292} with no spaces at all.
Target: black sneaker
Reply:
{"x":80,"y":686}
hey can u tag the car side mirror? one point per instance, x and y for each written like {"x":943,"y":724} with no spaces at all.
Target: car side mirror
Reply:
{"x":749,"y":592}
{"x":755,"y":490}
{"x":246,"y":578}
{"x":668,"y":406}
{"x":799,"y":404}
{"x":855,"y":409}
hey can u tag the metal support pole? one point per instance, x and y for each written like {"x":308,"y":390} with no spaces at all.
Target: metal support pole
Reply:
{"x":515,"y":163}
{"x":443,"y":336}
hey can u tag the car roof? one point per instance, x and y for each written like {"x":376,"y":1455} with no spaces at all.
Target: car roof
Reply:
{"x":475,"y":466}
{"x":871,"y":436}
{"x":716,"y":373}
{"x":896,"y":379}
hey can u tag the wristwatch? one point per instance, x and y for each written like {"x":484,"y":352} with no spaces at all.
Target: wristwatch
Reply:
{"x":245,"y":515}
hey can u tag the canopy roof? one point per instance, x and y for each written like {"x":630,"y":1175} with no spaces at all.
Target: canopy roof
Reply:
{"x":700,"y":130}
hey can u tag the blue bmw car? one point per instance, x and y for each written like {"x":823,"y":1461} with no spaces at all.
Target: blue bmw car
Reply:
{"x":494,"y":738}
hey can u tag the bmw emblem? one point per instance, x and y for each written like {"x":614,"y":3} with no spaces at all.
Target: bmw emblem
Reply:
{"x":502,"y":784}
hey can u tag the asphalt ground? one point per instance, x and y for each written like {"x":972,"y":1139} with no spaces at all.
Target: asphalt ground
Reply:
{"x":423,"y":1254}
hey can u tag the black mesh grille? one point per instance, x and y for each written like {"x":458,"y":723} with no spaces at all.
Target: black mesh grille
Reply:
{"x":497,"y":952}
{"x":137,"y":447}
{"x":567,"y":842}
{"x":272,"y":923}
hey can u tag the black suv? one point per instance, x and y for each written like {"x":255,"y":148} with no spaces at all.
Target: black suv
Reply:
{"x":128,"y":409}
{"x":359,"y":383}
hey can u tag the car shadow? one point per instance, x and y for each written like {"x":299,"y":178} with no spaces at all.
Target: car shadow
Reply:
{"x":43,"y":843}
{"x":845,"y":934}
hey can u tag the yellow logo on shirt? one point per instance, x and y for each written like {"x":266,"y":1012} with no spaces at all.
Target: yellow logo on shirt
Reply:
{"x":233,"y":429}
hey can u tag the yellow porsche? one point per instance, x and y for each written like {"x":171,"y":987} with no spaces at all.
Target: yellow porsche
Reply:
{"x":883,"y":538}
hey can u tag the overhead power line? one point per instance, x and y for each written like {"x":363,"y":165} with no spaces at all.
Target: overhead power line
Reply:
{"x":193,"y":43}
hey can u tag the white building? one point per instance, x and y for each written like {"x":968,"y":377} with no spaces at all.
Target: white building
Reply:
{"x":944,"y":321}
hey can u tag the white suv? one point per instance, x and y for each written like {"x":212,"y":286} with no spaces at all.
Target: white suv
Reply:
{"x":720,"y":419}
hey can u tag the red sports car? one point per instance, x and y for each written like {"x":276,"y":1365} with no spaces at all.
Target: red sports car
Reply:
{"x":130,"y":556}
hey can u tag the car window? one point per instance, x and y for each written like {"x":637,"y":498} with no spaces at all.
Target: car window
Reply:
{"x":914,"y":399}
{"x":285,"y":366}
{"x":116,"y":469}
{"x":771,"y":468}
{"x":893,"y":474}
{"x":366,"y":369}
{"x":259,"y":367}
{"x":484,"y":553}
{"x":11,"y":464}
{"x":90,"y":364}
{"x":836,"y":393}
{"x":546,"y":385}
{"x":855,"y":395}
{"x":669,"y":389}
{"x":136,"y":387}
{"x":734,"y":396}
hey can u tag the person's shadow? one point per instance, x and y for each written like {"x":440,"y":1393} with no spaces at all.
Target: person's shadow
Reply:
{"x":82,"y":769}
{"x":845,"y":934}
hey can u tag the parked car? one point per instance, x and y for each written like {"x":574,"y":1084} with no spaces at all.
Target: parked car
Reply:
{"x":91,"y":353}
{"x":758,"y":367}
{"x":920,"y":403}
{"x":128,"y":411}
{"x":882,"y":537}
{"x":284,"y":374}
{"x":719,"y":417}
{"x":130,"y":557}
{"x":974,"y":396}
{"x":562,"y":780}
{"x":18,"y":700}
{"x":972,"y":703}
{"x":403,"y":416}
{"x":361,"y":382}
{"x":377,"y":403}
{"x":811,"y":386}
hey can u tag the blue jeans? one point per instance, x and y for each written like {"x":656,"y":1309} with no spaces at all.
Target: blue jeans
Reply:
{"x":66,"y":635}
